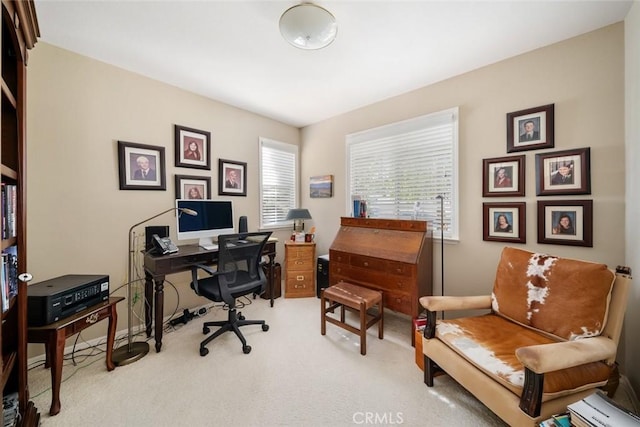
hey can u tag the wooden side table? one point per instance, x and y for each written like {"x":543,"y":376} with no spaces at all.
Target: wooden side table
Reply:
{"x":300,"y":263}
{"x":54,"y":336}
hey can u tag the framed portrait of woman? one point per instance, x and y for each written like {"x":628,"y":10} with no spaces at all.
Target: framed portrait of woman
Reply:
{"x":504,"y":222}
{"x":193,"y":187}
{"x":503,"y":176}
{"x":193,"y":148}
{"x":566,"y":222}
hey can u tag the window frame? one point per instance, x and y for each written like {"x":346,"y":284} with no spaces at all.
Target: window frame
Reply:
{"x":285,"y":148}
{"x":397,"y":129}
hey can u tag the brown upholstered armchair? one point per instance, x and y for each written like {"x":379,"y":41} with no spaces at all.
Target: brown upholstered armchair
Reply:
{"x":550,"y":336}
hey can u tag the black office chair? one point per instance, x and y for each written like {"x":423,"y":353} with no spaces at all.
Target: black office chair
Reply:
{"x":239,"y":273}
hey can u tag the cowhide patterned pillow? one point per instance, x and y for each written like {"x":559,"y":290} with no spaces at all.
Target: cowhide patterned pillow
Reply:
{"x":563,"y":297}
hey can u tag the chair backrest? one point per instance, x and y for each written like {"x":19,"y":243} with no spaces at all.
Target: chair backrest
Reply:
{"x":239,"y":257}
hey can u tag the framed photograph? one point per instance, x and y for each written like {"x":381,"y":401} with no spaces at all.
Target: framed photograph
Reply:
{"x":563,"y":172}
{"x":193,"y":187}
{"x":503,"y":176}
{"x":566,"y":222}
{"x":232,"y":178}
{"x":321,"y":186}
{"x":193,"y":148}
{"x":504,"y":222}
{"x":141,"y":167}
{"x":530,"y":129}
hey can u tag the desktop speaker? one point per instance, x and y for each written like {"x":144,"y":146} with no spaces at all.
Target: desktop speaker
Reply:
{"x":242,"y":225}
{"x":160,"y":230}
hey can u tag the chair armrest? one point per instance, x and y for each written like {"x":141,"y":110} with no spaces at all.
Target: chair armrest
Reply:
{"x":194,"y":275}
{"x":544,"y":358}
{"x":443,"y":303}
{"x":206,"y":268}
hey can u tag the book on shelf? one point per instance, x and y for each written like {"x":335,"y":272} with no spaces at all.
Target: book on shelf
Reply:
{"x":598,"y":410}
{"x":8,"y":276}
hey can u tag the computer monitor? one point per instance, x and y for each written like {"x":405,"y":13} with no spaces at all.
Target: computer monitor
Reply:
{"x":215,"y":217}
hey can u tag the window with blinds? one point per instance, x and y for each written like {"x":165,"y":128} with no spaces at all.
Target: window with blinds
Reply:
{"x":278,"y":182}
{"x":401,"y":169}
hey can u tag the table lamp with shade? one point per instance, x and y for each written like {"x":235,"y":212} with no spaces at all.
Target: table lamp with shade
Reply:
{"x":298,"y":216}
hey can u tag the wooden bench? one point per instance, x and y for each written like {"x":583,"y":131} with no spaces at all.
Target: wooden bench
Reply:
{"x":356,"y":298}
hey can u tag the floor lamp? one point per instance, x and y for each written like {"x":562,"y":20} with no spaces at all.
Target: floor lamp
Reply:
{"x":134,"y":351}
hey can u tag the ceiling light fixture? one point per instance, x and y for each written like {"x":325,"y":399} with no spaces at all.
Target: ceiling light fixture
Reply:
{"x":308,"y":26}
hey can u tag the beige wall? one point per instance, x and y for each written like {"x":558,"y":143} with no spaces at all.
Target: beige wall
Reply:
{"x":78,"y":109}
{"x":583,"y":77}
{"x":632,"y":126}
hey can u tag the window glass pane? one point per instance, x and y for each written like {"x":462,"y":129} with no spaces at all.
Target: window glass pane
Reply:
{"x":401,"y":169}
{"x":278,"y":182}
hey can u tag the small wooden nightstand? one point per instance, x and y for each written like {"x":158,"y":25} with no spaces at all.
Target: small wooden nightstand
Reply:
{"x":300,"y":263}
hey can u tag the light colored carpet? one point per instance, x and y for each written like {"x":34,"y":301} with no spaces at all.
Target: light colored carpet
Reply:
{"x":293,"y":377}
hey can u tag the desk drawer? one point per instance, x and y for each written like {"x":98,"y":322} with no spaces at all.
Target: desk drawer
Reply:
{"x":300,"y":284}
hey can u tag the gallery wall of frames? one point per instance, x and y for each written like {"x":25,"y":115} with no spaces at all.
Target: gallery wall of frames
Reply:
{"x":557,"y":173}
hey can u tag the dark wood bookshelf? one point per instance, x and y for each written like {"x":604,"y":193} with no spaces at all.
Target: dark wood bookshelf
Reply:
{"x":19,"y":33}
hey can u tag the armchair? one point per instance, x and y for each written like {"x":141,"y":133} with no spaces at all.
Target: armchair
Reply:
{"x":238,"y":273}
{"x":549,"y":339}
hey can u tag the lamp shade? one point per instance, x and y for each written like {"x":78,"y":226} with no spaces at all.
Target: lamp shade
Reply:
{"x":308,"y":26}
{"x":298,"y":214}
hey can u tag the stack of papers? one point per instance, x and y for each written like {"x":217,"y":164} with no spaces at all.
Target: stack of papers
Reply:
{"x":597,"y":410}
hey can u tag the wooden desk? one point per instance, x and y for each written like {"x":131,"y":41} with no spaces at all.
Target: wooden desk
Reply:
{"x":156,"y":267}
{"x":54,"y":335}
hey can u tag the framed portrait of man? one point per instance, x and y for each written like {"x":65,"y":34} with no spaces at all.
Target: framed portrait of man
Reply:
{"x":530,"y":129}
{"x":564,"y":172}
{"x":141,"y":167}
{"x":232,"y":178}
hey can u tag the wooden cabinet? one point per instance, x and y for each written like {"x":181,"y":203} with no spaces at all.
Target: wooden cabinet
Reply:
{"x":300,"y":262}
{"x":19,"y":33}
{"x":393,"y":256}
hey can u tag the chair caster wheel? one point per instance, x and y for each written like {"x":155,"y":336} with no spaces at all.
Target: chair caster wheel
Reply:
{"x":265,"y":327}
{"x":204,"y":351}
{"x":246,"y":349}
{"x":205,"y":330}
{"x":241,"y":317}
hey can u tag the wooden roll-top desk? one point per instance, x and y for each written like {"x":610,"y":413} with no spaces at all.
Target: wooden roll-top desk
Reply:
{"x":390,"y":255}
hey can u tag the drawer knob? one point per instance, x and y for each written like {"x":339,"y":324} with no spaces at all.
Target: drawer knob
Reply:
{"x":366,"y":264}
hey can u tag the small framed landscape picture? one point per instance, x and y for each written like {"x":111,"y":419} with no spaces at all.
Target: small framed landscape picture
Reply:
{"x":530,"y":129}
{"x":232,"y":178}
{"x":503,"y":176}
{"x":193,"y":148}
{"x":504,"y":222}
{"x":321,"y":186}
{"x":563,"y":172}
{"x":566,"y":222}
{"x":141,"y":167}
{"x":193,"y":187}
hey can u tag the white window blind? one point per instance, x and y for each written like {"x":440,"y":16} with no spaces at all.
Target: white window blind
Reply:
{"x":278,"y":182}
{"x":400,"y":170}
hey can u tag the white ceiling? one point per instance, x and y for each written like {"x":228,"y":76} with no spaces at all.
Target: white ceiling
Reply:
{"x":232,"y":51}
